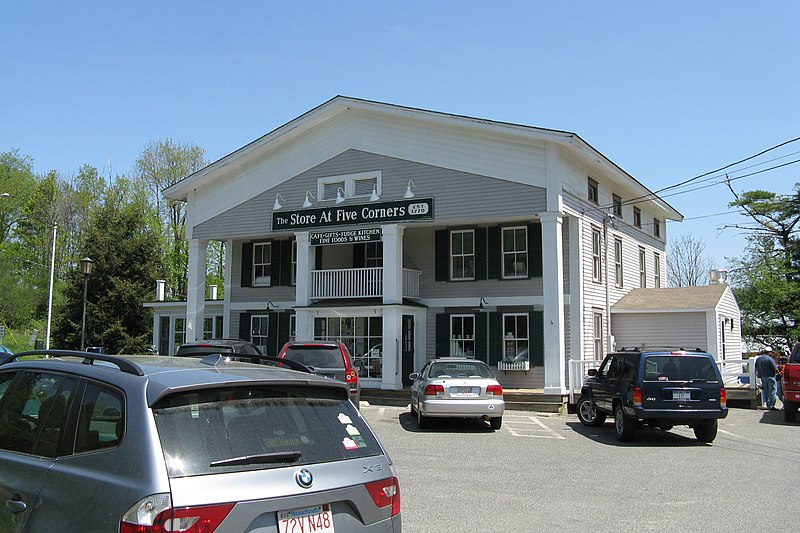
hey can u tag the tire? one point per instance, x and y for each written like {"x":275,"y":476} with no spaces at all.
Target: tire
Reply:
{"x":706,"y":432}
{"x":423,"y":422}
{"x":625,"y":425}
{"x":588,"y":413}
{"x":496,"y":422}
{"x":790,"y":411}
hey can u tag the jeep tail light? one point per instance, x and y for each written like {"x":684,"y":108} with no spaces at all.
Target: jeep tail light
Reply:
{"x":433,"y":390}
{"x":723,"y":397}
{"x":637,"y":396}
{"x":385,"y":492}
{"x":155,"y":514}
{"x":494,"y":390}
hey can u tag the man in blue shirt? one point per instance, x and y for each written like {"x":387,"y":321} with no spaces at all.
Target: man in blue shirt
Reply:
{"x":766,"y":368}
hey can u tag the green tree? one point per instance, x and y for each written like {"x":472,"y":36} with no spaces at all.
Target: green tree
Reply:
{"x":122,"y":241}
{"x":17,"y":183}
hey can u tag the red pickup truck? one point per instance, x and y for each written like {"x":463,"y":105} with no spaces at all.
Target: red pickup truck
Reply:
{"x":791,"y":385}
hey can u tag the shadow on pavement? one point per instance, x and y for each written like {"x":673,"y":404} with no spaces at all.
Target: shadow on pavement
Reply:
{"x":645,"y":436}
{"x":445,"y":425}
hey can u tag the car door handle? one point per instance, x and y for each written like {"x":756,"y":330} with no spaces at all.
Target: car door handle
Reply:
{"x":16,"y":505}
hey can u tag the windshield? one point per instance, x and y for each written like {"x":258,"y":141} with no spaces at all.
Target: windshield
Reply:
{"x":679,"y":368}
{"x":795,"y":357}
{"x":248,"y":428}
{"x":462,"y":369}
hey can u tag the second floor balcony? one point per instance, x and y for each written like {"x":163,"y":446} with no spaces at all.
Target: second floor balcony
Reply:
{"x":358,"y":283}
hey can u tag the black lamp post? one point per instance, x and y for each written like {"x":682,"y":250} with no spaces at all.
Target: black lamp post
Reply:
{"x":86,"y":270}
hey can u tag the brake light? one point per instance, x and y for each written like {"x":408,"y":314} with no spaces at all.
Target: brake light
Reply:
{"x":433,"y":390}
{"x":385,"y":492}
{"x":351,"y":376}
{"x":494,"y":390}
{"x":723,"y":397}
{"x":155,"y":514}
{"x":637,"y":396}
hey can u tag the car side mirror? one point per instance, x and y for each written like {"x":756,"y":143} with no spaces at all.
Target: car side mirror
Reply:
{"x":414,"y":376}
{"x":592,"y":372}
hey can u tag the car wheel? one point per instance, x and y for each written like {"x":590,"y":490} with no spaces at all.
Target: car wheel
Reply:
{"x":496,"y":422}
{"x":588,"y":413}
{"x":423,"y":422}
{"x":706,"y":431}
{"x":790,"y":411}
{"x":625,"y":425}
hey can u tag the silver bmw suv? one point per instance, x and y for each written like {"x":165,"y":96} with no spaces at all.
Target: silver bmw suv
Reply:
{"x":96,"y":442}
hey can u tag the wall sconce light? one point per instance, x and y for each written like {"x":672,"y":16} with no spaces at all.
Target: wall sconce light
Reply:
{"x":374,"y":196}
{"x":481,"y":307}
{"x":408,"y":193}
{"x":307,"y":202}
{"x":278,"y":204}
{"x":339,"y":195}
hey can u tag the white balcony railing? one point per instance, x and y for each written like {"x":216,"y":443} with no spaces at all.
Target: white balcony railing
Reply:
{"x":358,"y":283}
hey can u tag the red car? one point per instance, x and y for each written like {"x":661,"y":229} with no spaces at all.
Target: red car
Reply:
{"x":791,"y":385}
{"x":325,"y":358}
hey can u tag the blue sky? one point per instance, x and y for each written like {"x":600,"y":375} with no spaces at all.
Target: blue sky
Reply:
{"x":667,"y":90}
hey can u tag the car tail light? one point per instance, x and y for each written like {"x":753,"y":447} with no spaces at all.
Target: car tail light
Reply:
{"x":155,"y":514}
{"x":494,"y":390}
{"x":351,"y":376}
{"x":433,"y":390}
{"x":637,"y":396}
{"x":723,"y":397}
{"x":385,"y":492}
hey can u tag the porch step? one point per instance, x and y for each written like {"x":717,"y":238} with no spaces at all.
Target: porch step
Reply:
{"x":516,"y":399}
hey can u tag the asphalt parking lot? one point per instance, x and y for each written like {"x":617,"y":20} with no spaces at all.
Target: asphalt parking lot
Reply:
{"x":543,"y":472}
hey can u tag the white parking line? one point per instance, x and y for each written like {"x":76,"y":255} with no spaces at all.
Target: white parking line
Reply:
{"x":518,"y":429}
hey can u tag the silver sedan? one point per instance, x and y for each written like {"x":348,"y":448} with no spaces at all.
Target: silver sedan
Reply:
{"x":456,"y":387}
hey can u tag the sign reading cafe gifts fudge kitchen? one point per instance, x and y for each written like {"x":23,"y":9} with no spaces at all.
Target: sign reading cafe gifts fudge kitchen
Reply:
{"x":340,"y":215}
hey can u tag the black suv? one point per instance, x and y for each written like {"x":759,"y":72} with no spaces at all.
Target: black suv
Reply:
{"x":658,"y":387}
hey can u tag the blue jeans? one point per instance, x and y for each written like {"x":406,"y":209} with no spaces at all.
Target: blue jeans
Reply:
{"x":768,"y":391}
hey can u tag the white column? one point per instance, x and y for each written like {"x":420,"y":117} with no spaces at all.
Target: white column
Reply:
{"x":305,"y":264}
{"x":392,"y":264}
{"x":227,"y":284}
{"x":196,"y":290}
{"x":553,"y":289}
{"x":392,"y":335}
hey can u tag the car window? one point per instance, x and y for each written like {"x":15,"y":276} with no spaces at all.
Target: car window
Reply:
{"x":101,"y":422}
{"x":679,"y":368}
{"x":204,"y":432}
{"x":612,"y":367}
{"x":628,"y":368}
{"x":316,"y":356}
{"x":795,"y":355}
{"x":466,"y":369}
{"x":34,"y":415}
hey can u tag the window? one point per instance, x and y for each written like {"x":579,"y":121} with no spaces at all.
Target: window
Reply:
{"x":208,"y":328}
{"x":179,"y":337}
{"x":596,"y":258}
{"x":617,"y":202}
{"x":354,"y":185}
{"x":637,"y":217}
{"x":618,"y":277}
{"x":642,"y":268}
{"x":597,"y":335}
{"x":373,"y":254}
{"x":594,"y":194}
{"x":656,"y":227}
{"x":515,"y":252}
{"x":462,"y":335}
{"x":462,"y":255}
{"x":101,"y":423}
{"x":657,"y":268}
{"x":515,"y":338}
{"x":259,"y":330}
{"x":363,"y":337}
{"x":262,"y":264}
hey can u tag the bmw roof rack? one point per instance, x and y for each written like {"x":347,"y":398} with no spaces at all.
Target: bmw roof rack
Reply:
{"x":89,"y":358}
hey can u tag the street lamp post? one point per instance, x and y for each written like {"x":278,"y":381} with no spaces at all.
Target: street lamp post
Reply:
{"x":86,"y":270}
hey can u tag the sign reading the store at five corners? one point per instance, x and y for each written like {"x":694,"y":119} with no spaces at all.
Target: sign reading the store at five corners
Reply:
{"x":339,"y":215}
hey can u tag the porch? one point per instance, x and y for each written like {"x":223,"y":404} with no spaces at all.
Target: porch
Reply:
{"x":358,"y":283}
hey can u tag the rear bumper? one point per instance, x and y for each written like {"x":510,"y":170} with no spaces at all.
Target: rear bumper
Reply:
{"x":676,"y":414}
{"x":462,"y":408}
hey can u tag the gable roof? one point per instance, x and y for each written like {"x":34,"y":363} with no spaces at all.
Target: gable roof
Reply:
{"x":671,"y":299}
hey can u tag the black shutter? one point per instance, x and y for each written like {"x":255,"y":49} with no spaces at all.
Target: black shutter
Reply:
{"x":286,"y":262}
{"x":534,"y":250}
{"x":359,"y":253}
{"x":244,"y":326}
{"x":317,"y":251}
{"x":442,"y":335}
{"x":536,"y":338}
{"x":247,"y":264}
{"x":480,"y":337}
{"x":495,"y":337}
{"x":275,"y":264}
{"x":494,"y":249}
{"x":442,"y":255}
{"x":480,"y":253}
{"x":283,"y":330}
{"x":272,"y":333}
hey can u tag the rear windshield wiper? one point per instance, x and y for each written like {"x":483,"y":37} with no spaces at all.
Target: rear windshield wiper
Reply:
{"x":263,"y":458}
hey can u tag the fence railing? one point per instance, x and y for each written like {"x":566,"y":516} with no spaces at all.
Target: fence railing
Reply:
{"x":358,"y":283}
